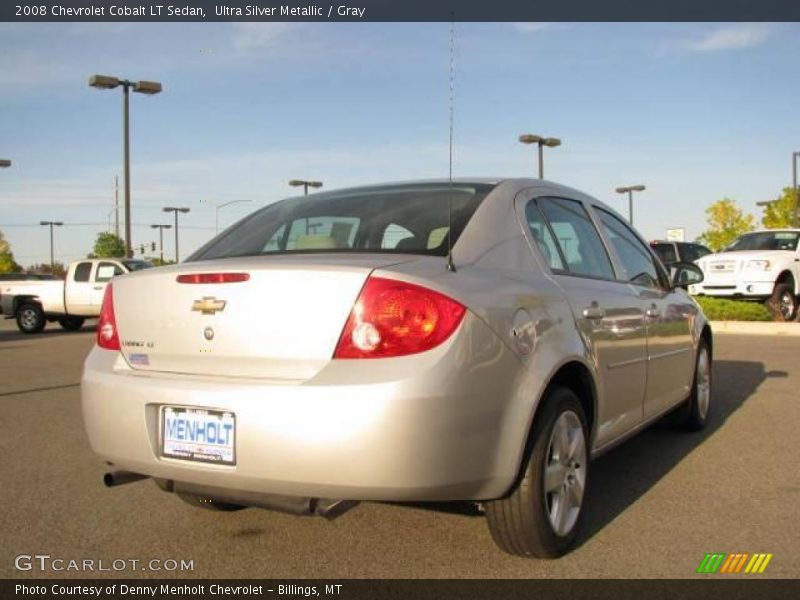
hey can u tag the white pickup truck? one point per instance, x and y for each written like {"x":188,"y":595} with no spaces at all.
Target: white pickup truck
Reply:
{"x":70,"y":302}
{"x":761,"y":265}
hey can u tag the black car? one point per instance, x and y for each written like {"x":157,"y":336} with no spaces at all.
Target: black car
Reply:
{"x":673,"y":252}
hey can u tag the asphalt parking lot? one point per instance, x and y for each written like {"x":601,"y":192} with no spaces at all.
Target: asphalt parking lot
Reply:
{"x":657,"y":504}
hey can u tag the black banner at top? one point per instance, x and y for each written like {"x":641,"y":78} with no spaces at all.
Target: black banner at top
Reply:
{"x":399,"y":10}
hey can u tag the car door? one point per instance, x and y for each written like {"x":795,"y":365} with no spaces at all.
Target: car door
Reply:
{"x":670,"y":356}
{"x":78,"y":289}
{"x":104,"y":272}
{"x":607,"y":312}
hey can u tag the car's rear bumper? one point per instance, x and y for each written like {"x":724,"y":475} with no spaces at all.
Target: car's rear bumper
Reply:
{"x":443,"y":425}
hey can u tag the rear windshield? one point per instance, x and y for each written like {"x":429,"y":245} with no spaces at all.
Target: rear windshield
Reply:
{"x":406,"y":219}
{"x":136,"y":265}
{"x":666,"y":252}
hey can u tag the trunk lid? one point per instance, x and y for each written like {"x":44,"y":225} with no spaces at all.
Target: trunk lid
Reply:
{"x":282,"y":323}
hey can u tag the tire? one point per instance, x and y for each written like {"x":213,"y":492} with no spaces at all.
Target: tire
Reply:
{"x":693,"y":416}
{"x":208,"y":503}
{"x":71,"y":323}
{"x":783,"y":302}
{"x":30,"y":318}
{"x":528,"y":521}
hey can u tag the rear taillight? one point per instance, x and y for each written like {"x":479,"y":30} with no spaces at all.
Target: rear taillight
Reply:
{"x":107,"y":336}
{"x":395,"y":318}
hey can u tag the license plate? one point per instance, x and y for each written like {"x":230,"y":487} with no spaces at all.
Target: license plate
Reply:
{"x":198,"y":434}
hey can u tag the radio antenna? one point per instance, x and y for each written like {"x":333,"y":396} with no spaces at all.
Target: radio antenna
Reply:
{"x":450,"y":265}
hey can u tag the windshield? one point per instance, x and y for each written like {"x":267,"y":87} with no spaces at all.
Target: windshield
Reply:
{"x":136,"y":265}
{"x":410,"y":218}
{"x":765,"y":240}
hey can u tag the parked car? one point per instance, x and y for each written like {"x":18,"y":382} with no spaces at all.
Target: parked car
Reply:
{"x":70,"y":302}
{"x":675,"y":252}
{"x":329,"y":349}
{"x":763,"y":266}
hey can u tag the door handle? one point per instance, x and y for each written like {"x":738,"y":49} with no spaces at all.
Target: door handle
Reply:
{"x":593,"y":313}
{"x":652,"y":313}
{"x":98,"y":287}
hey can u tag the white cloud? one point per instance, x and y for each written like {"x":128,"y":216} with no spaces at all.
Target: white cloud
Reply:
{"x":731,"y":37}
{"x":533,"y":27}
{"x":257,"y":36}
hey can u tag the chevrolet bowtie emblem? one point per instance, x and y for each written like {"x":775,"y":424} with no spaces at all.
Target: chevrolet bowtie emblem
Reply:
{"x":208,"y":305}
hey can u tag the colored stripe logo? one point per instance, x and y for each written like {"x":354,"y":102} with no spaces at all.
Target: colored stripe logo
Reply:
{"x":741,"y":562}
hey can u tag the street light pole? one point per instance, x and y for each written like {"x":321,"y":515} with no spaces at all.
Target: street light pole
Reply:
{"x":175,"y":210}
{"x":51,"y":224}
{"x":161,"y":229}
{"x":550,"y":142}
{"x":216,"y":216}
{"x":306,"y":184}
{"x":105,"y":82}
{"x":629,"y":190}
{"x":796,"y":215}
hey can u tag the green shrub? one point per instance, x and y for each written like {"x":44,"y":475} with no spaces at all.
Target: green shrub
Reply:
{"x":722,"y":309}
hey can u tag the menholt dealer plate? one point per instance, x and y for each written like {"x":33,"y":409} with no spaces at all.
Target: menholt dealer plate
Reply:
{"x":198,"y":434}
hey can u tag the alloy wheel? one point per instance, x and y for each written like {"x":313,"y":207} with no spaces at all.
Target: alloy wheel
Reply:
{"x":565,"y":473}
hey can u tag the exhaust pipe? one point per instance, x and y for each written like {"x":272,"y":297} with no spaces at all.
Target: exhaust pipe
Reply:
{"x":116,"y":478}
{"x":330,"y":509}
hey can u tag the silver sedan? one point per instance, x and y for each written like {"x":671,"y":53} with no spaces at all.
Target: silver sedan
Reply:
{"x":475,"y":340}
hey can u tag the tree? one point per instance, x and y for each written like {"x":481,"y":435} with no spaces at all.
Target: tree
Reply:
{"x":58,"y":269}
{"x":7,"y":262}
{"x":726,"y":222}
{"x":108,"y":245}
{"x":779,"y":213}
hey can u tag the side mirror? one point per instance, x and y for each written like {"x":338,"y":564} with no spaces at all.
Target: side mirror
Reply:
{"x":684,"y":274}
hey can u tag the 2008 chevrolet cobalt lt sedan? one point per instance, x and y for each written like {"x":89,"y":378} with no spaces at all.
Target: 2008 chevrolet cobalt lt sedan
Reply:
{"x":475,"y":340}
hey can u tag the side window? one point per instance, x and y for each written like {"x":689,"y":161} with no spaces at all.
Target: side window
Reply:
{"x":633,"y":254}
{"x":397,"y":236}
{"x":544,"y":237}
{"x":106,"y":271}
{"x":577,"y":238}
{"x":82,"y":272}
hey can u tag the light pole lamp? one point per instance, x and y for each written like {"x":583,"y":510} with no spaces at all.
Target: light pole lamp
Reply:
{"x":550,"y":142}
{"x":51,"y":224}
{"x":306,"y":184}
{"x":161,"y":229}
{"x":176,"y":210}
{"x":629,"y":190}
{"x":105,"y":82}
{"x":5,"y":163}
{"x":223,"y":205}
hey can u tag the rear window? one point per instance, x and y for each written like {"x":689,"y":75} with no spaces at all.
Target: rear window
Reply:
{"x":666,"y":252}
{"x":393,"y":219}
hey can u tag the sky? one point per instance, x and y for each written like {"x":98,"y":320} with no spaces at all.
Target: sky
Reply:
{"x":696,"y":112}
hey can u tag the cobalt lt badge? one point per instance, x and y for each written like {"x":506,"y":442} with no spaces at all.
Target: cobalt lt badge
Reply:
{"x":208,"y":333}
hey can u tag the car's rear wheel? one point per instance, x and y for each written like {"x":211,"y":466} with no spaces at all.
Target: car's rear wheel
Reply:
{"x":694,"y":414}
{"x":71,"y":323}
{"x":783,"y":302}
{"x":541,"y":516}
{"x":208,"y":503}
{"x":30,"y":318}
